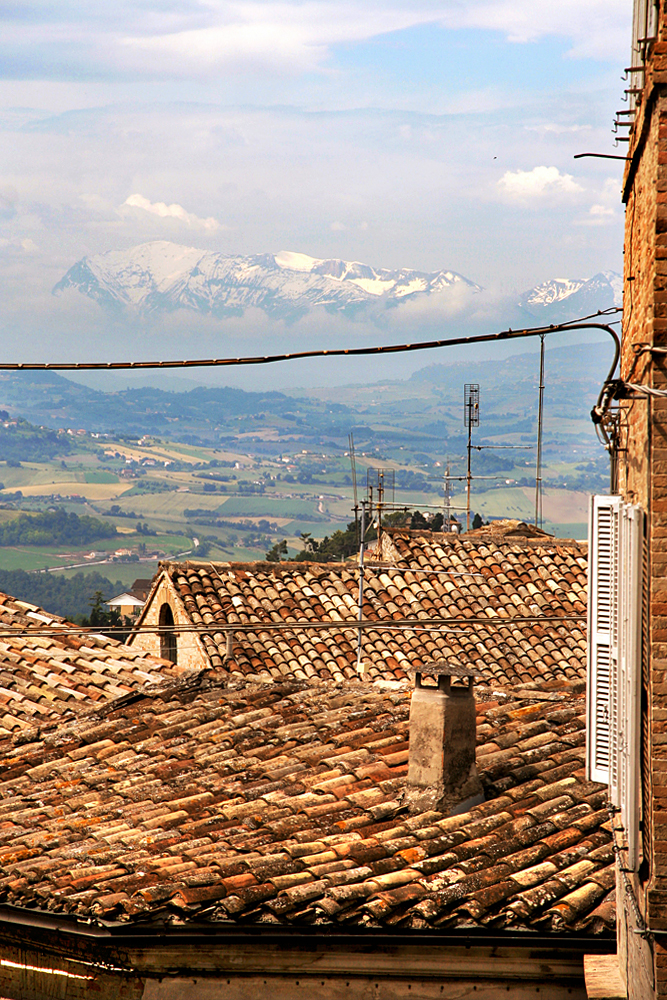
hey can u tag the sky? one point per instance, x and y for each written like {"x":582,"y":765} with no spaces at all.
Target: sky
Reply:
{"x":415,"y":133}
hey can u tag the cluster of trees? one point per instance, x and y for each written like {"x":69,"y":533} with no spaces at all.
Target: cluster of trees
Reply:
{"x":330,"y":549}
{"x":70,"y":597}
{"x":218,"y":477}
{"x":55,"y":528}
{"x":346,"y":543}
{"x":117,"y":511}
{"x":27,"y":443}
{"x":143,"y":529}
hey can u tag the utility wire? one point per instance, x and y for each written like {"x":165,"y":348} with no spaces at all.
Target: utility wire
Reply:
{"x":642,"y":390}
{"x":271,"y":626}
{"x":266,"y":359}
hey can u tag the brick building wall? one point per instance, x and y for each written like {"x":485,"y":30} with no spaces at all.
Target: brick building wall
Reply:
{"x":642,"y":897}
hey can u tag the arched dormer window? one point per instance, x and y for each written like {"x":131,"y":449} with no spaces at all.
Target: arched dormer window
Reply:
{"x":167,"y":639}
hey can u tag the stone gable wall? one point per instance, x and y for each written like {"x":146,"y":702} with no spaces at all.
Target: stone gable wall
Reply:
{"x":190,"y":652}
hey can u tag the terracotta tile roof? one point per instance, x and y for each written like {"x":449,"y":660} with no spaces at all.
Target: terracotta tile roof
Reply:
{"x":283,"y":803}
{"x":492,"y":577}
{"x":44,"y":678}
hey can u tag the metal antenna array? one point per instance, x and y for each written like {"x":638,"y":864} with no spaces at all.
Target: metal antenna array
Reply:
{"x":470,"y":420}
{"x":384,"y":482}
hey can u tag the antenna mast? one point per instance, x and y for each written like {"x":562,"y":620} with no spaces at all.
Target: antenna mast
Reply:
{"x":447,"y":502}
{"x":540,"y":421}
{"x":470,"y":420}
{"x":353,"y":466}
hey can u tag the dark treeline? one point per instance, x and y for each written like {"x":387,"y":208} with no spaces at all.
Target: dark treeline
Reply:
{"x":55,"y":528}
{"x":70,"y":597}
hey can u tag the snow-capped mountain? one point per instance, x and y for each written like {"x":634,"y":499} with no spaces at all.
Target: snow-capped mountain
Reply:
{"x":563,"y":298}
{"x":161,"y":276}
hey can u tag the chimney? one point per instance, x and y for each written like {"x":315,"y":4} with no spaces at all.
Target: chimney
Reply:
{"x":442,"y":772}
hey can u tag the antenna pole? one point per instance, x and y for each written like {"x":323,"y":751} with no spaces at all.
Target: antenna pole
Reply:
{"x":353,"y":465}
{"x":361,"y":583}
{"x":540,"y":421}
{"x":378,"y":546}
{"x":470,"y":419}
{"x":468,"y":477}
{"x":446,"y":504}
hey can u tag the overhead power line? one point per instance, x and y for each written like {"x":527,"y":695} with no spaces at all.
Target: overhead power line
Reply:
{"x":209,"y":628}
{"x":267,"y":359}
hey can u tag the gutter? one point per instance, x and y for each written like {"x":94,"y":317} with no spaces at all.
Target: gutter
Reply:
{"x":125,"y":934}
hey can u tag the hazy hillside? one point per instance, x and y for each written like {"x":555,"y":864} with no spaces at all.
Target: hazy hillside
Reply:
{"x":509,"y":395}
{"x":573,"y":376}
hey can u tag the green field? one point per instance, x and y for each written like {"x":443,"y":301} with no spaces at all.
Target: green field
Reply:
{"x":34,"y":557}
{"x":269,"y":506}
{"x":29,"y":558}
{"x":165,"y":505}
{"x":100,"y":477}
{"x":125,"y":573}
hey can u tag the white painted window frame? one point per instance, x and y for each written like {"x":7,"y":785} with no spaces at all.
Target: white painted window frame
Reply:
{"x":615,"y":573}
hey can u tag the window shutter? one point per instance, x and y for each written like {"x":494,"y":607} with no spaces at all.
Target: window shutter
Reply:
{"x":601,"y":689}
{"x":629,"y":675}
{"x":615,"y":589}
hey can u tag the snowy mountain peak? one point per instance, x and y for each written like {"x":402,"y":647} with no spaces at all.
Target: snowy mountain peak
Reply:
{"x":554,"y":290}
{"x":163,"y":276}
{"x":566,"y":297}
{"x":295,"y":261}
{"x":159,"y":277}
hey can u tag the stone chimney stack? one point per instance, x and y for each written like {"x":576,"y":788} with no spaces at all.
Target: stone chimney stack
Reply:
{"x":442,"y":772}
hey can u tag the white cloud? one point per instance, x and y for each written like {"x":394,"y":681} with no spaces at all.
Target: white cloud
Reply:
{"x":601,"y":210}
{"x":26,"y":245}
{"x":557,"y":129}
{"x":175,"y":40}
{"x":282,"y":36}
{"x":164,"y":211}
{"x":537,"y":184}
{"x":598,"y":215}
{"x":598,"y":29}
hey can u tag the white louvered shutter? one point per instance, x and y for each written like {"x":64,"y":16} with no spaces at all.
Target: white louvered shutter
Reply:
{"x":615,"y":574}
{"x":629,"y":675}
{"x":601,"y":689}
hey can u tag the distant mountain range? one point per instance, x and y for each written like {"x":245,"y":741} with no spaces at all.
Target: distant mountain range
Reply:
{"x":161,"y":277}
{"x":563,"y":298}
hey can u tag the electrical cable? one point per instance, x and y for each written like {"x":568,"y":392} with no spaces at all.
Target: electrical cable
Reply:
{"x":56,"y":631}
{"x":509,"y":334}
{"x":639,"y":388}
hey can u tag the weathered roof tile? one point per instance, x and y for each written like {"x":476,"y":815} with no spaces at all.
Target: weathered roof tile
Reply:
{"x":525,"y":575}
{"x":164,"y":823}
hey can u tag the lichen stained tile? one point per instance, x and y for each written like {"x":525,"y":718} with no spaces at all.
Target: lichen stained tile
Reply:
{"x":285,"y":802}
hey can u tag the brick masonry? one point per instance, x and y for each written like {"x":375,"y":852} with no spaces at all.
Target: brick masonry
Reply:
{"x":642,"y":898}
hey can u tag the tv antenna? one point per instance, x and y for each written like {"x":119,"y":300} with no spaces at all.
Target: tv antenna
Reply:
{"x":470,"y":420}
{"x":383,"y":481}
